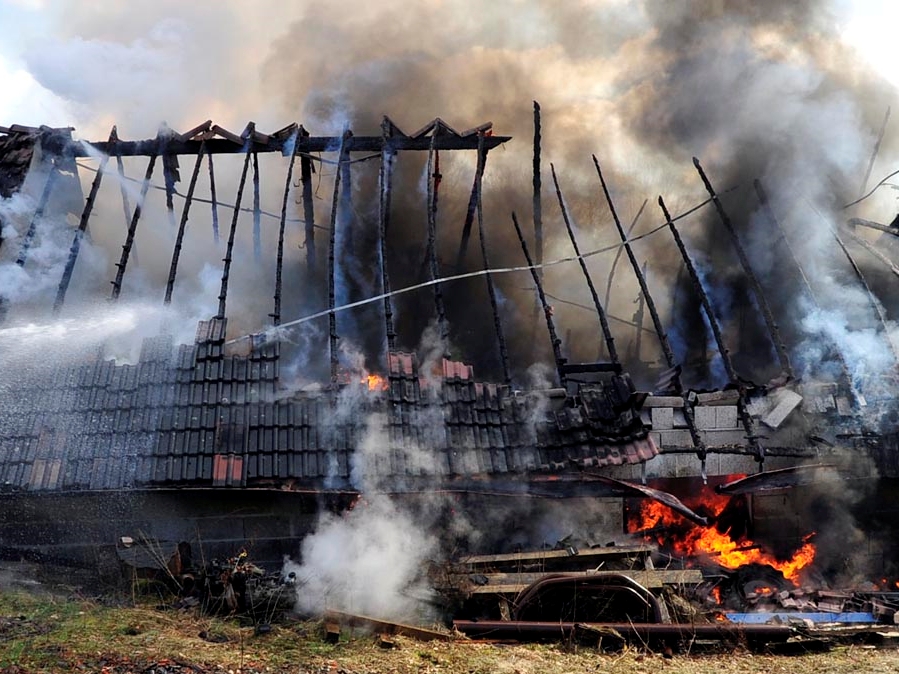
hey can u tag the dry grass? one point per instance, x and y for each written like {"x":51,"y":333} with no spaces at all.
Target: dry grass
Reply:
{"x":52,"y":633}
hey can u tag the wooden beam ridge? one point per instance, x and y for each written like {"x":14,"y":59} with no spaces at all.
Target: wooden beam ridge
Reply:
{"x":773,"y":331}
{"x":306,"y":171}
{"x":385,"y":187}
{"x":742,"y":412}
{"x":305,"y":144}
{"x":491,"y":289}
{"x":229,"y":250}
{"x":279,"y":264}
{"x":38,"y":214}
{"x":603,"y":321}
{"x":433,"y":264}
{"x":63,"y":287}
{"x":547,"y":310}
{"x":182,"y":227}
{"x":213,"y":202}
{"x":132,"y":229}
{"x":641,"y":279}
{"x":333,"y":338}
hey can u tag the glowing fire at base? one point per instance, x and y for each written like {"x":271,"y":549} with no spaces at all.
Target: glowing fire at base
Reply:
{"x":670,"y":530}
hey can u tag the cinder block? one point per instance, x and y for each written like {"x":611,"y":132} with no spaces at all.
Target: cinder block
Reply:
{"x":716,"y":438}
{"x":726,"y":416}
{"x":662,"y":418}
{"x":663,"y":401}
{"x":705,"y":417}
{"x":676,"y":438}
{"x":731,"y":464}
{"x":679,"y":420}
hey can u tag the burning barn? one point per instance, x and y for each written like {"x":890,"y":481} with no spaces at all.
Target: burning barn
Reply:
{"x":232,"y":425}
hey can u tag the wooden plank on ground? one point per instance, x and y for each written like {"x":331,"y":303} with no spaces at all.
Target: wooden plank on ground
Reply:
{"x":385,"y":626}
{"x":513,"y":583}
{"x":543,"y":555}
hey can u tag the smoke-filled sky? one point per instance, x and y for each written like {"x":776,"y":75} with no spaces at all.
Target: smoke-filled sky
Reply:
{"x":792,"y":93}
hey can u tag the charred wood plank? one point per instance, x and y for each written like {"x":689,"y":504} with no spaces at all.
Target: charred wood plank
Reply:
{"x":52,"y":175}
{"x":182,"y":226}
{"x":306,"y":170}
{"x":132,"y":229}
{"x":537,"y":188}
{"x":213,"y":202}
{"x":385,"y":187}
{"x":333,"y":338}
{"x":257,"y":211}
{"x":279,"y":263}
{"x":434,"y":179}
{"x":229,"y":250}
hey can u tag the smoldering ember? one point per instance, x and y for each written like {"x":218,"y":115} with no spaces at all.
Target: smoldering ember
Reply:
{"x":244,"y":361}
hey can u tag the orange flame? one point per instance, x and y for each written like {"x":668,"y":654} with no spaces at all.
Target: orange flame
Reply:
{"x":375,"y":382}
{"x":692,"y":541}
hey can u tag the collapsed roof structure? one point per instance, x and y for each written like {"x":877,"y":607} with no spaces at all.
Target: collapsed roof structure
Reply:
{"x":216,"y":415}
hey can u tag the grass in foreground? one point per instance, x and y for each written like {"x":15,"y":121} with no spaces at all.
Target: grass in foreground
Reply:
{"x":48,"y":633}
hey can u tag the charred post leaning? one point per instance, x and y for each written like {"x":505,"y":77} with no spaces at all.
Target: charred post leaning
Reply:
{"x":333,"y":339}
{"x":603,"y":321}
{"x":433,"y":264}
{"x":38,"y":213}
{"x":385,"y":185}
{"x":491,"y":290}
{"x":742,"y":412}
{"x":538,"y":186}
{"x":229,"y":250}
{"x":182,"y":226}
{"x":547,"y":310}
{"x":257,"y":211}
{"x":213,"y":202}
{"x":306,"y":171}
{"x":288,"y":181}
{"x":754,"y":283}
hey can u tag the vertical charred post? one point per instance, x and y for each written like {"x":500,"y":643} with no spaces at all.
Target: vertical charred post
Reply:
{"x":385,"y":186}
{"x":120,"y":167}
{"x":257,"y":211}
{"x":334,"y":340}
{"x":132,"y":227}
{"x":213,"y":202}
{"x":754,"y":283}
{"x":641,"y":279}
{"x":63,"y":287}
{"x":469,"y":216}
{"x":229,"y":250}
{"x":170,"y":175}
{"x":279,"y":263}
{"x":38,"y":214}
{"x":434,"y":178}
{"x":538,"y":186}
{"x":306,"y":171}
{"x":491,"y":289}
{"x":182,"y":225}
{"x":603,"y":321}
{"x":745,"y":419}
{"x":547,"y":310}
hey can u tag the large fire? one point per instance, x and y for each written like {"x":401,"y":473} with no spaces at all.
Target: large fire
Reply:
{"x":375,"y":382}
{"x":669,"y":529}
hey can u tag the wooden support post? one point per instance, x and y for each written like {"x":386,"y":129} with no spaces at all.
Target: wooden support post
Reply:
{"x":38,"y":213}
{"x":214,"y":202}
{"x":334,"y":340}
{"x":132,"y":229}
{"x":758,"y":292}
{"x":170,"y":177}
{"x":182,"y":226}
{"x":491,"y":289}
{"x":279,"y":264}
{"x":434,"y":178}
{"x":385,"y":186}
{"x":538,"y":186}
{"x":742,"y":412}
{"x":229,"y":250}
{"x":63,"y":287}
{"x":547,"y":310}
{"x":306,"y":170}
{"x":603,"y":321}
{"x":641,"y":279}
{"x":257,"y":212}
{"x":469,"y":218}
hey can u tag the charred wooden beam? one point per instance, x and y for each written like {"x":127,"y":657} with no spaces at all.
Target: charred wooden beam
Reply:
{"x":434,"y":179}
{"x":213,"y":202}
{"x":641,"y":279}
{"x":537,"y":187}
{"x":306,"y":171}
{"x":875,"y":253}
{"x":279,"y":263}
{"x":886,"y":229}
{"x":491,"y":289}
{"x":52,"y":174}
{"x":333,"y":338}
{"x":120,"y":167}
{"x":883,"y":128}
{"x":308,"y":144}
{"x":469,"y":217}
{"x":63,"y":287}
{"x":757,"y":291}
{"x":257,"y":210}
{"x":229,"y":249}
{"x":385,"y":187}
{"x":742,"y":412}
{"x":182,"y":227}
{"x":171,"y":176}
{"x":600,"y":312}
{"x":547,"y":310}
{"x":132,"y":229}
